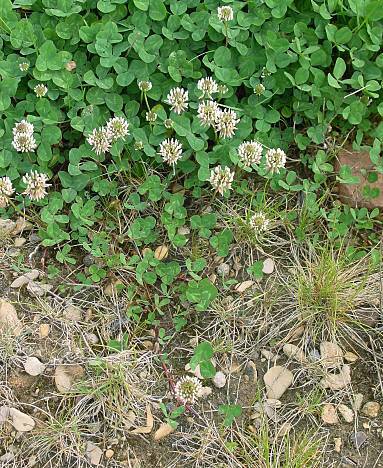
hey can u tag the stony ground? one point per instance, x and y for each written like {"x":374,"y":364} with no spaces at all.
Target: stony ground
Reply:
{"x":310,"y":394}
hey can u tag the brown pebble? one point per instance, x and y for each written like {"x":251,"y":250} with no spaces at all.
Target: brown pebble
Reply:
{"x":109,"y":453}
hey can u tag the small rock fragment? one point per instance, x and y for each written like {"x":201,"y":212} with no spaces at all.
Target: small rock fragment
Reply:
{"x":33,"y":366}
{"x":66,"y":375}
{"x":219,"y":379}
{"x":7,"y":226}
{"x":20,"y":241}
{"x":73,"y":313}
{"x":241,"y":287}
{"x":25,"y":279}
{"x":163,"y":431}
{"x":161,"y":252}
{"x":337,"y":444}
{"x":20,"y":421}
{"x":268,"y":266}
{"x":338,"y":381}
{"x":44,"y":330}
{"x":331,"y":354}
{"x":329,"y":414}
{"x":267,"y":354}
{"x":358,"y":439}
{"x":93,"y":453}
{"x":294,"y":352}
{"x":38,"y":289}
{"x":277,"y":380}
{"x":109,"y":453}
{"x":346,"y":412}
{"x":371,"y":409}
{"x":9,"y":322}
{"x":350,"y":357}
{"x":223,"y":269}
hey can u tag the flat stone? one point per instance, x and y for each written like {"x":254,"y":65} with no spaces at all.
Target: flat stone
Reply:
{"x":73,"y":313}
{"x":329,"y":414}
{"x":294,"y":352}
{"x":277,"y":380}
{"x":331,"y":354}
{"x":346,"y":412}
{"x":371,"y":409}
{"x":361,"y":165}
{"x":358,"y":400}
{"x":358,"y":439}
{"x":20,"y":241}
{"x":9,"y":322}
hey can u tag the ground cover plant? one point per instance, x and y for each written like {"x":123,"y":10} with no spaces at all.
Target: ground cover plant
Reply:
{"x":177,"y":164}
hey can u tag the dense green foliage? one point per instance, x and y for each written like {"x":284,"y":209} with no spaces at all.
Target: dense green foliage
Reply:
{"x":320,"y":65}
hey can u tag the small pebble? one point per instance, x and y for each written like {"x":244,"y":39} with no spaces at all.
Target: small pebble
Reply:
{"x":109,"y":453}
{"x":20,"y":241}
{"x":223,"y":269}
{"x":358,"y":439}
{"x":337,"y":444}
{"x":371,"y":409}
{"x":219,"y":379}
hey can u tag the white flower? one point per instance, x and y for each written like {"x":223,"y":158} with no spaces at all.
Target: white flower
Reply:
{"x":40,"y":90}
{"x":100,"y":140}
{"x":36,"y":185}
{"x":250,"y":152}
{"x":145,"y":86}
{"x":23,"y":127}
{"x":221,"y":178}
{"x":207,"y":112}
{"x":225,"y":13}
{"x":259,"y":222}
{"x":225,"y":123}
{"x":6,"y":190}
{"x":151,"y":116}
{"x":168,"y":123}
{"x":208,"y":86}
{"x":24,"y":142}
{"x":188,"y":389}
{"x":222,"y":89}
{"x":259,"y":89}
{"x":118,"y":127}
{"x":275,"y":160}
{"x":24,"y":66}
{"x":171,"y":150}
{"x":178,"y":99}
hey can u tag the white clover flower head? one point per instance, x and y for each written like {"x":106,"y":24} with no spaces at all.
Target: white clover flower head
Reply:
{"x":40,"y":90}
{"x":145,"y":86}
{"x":221,"y":179}
{"x":24,"y":66}
{"x":100,"y":139}
{"x":259,"y":89}
{"x":188,"y":389}
{"x":207,"y":112}
{"x":171,"y":150}
{"x":118,"y":127}
{"x":6,"y":187}
{"x":275,"y":160}
{"x":151,"y":116}
{"x":208,"y":86}
{"x":259,"y":222}
{"x":178,"y":100}
{"x":71,"y":65}
{"x":23,"y":127}
{"x":225,"y":13}
{"x":138,"y":145}
{"x":222,"y":89}
{"x":6,"y":190}
{"x":36,"y":183}
{"x":24,"y":142}
{"x":168,"y":123}
{"x":226,"y":123}
{"x":250,"y":152}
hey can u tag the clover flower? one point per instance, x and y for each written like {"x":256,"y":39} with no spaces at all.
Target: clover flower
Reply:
{"x":6,"y":190}
{"x":208,"y":86}
{"x":259,"y":89}
{"x":118,"y":127}
{"x":71,"y":65}
{"x":168,"y":123}
{"x":250,"y":152}
{"x":178,"y":99}
{"x":151,"y":116}
{"x":221,"y":179}
{"x":24,"y":142}
{"x":24,"y":66}
{"x":171,"y":150}
{"x":225,"y":13}
{"x":259,"y":222}
{"x":36,"y":185}
{"x":145,"y":86}
{"x":138,"y":145}
{"x":23,"y":127}
{"x":207,"y":112}
{"x":40,"y":90}
{"x":225,"y":123}
{"x":188,"y":389}
{"x":100,"y":140}
{"x":275,"y":160}
{"x":222,"y":89}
